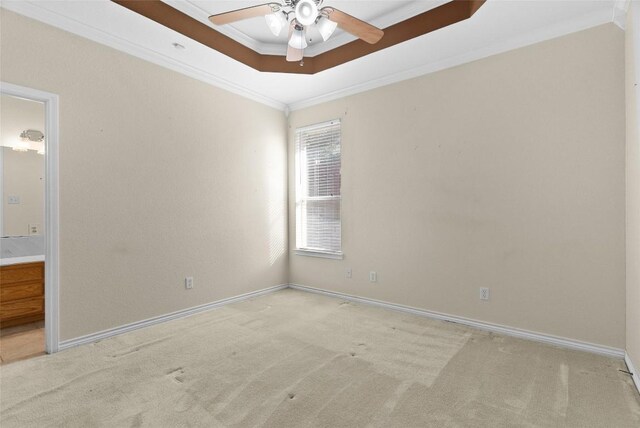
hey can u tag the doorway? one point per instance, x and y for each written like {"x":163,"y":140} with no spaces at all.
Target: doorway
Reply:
{"x":28,"y":222}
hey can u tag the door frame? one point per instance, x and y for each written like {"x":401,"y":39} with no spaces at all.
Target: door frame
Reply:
{"x":51,"y":217}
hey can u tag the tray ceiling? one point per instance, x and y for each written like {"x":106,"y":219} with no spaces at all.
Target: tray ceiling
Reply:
{"x":445,"y":15}
{"x":496,"y":27}
{"x":254,"y":33}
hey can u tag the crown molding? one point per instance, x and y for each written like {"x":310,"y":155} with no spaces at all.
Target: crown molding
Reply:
{"x":449,"y":13}
{"x":196,"y":12}
{"x":39,"y":13}
{"x":620,"y":8}
{"x":547,"y":33}
{"x":49,"y":17}
{"x":622,"y":5}
{"x":400,"y":14}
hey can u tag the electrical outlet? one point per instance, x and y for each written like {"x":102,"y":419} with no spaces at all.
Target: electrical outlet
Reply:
{"x":373,"y":276}
{"x":188,"y":282}
{"x":34,"y":229}
{"x":349,"y":273}
{"x":14,"y":200}
{"x":484,"y":293}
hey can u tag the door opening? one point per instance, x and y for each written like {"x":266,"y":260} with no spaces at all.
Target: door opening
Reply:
{"x":28,"y":222}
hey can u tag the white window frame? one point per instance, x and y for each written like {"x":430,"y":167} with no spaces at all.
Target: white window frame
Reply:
{"x":313,"y":252}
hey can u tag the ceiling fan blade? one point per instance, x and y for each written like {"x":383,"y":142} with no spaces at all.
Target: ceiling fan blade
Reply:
{"x":353,"y":25}
{"x":293,"y":54}
{"x":247,"y":12}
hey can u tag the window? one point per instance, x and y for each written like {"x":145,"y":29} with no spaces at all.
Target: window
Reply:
{"x":318,"y":226}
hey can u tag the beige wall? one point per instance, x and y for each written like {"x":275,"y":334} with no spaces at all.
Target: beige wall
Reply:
{"x":633,"y":183}
{"x":505,"y":173}
{"x":22,"y":172}
{"x":160,"y":178}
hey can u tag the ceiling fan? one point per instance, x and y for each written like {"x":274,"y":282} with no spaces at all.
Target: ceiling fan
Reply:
{"x":299,"y":15}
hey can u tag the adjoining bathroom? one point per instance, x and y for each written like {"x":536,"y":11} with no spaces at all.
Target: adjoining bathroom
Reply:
{"x":22,"y":221}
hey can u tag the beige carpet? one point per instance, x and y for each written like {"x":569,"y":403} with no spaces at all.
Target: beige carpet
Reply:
{"x":295,"y":359}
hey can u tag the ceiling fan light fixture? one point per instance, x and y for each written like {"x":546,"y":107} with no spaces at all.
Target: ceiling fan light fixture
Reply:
{"x":326,"y":27}
{"x":276,"y":22}
{"x":306,"y":12}
{"x":298,"y":16}
{"x":297,"y":40}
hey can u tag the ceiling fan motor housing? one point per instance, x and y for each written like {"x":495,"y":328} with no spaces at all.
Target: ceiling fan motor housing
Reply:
{"x":306,"y":11}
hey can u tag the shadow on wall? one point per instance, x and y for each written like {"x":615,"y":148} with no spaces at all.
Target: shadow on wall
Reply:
{"x":276,"y":205}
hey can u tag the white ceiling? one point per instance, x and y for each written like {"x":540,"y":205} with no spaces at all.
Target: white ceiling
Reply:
{"x":499,"y":26}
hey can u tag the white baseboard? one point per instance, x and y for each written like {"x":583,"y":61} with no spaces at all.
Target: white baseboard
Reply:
{"x":635,"y":375}
{"x":94,"y":337}
{"x":496,"y":328}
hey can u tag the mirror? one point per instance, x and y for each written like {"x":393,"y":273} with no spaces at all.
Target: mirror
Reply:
{"x":22,"y":163}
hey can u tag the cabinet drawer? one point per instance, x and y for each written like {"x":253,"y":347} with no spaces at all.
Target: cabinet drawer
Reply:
{"x":21,"y":273}
{"x":21,"y":291}
{"x":19,"y":308}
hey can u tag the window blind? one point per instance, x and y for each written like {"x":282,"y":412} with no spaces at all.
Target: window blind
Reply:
{"x":318,"y":162}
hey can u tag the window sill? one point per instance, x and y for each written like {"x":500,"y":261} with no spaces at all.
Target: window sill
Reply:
{"x":310,"y":253}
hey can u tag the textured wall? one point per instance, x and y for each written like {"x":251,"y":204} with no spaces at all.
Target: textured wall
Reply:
{"x":506,"y":173}
{"x":160,"y":178}
{"x":633,"y":182}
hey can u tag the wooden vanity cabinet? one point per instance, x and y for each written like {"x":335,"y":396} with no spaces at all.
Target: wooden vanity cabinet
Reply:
{"x":21,"y":294}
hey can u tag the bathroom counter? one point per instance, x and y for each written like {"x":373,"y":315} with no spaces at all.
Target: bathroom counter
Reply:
{"x":24,"y":259}
{"x":21,"y":249}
